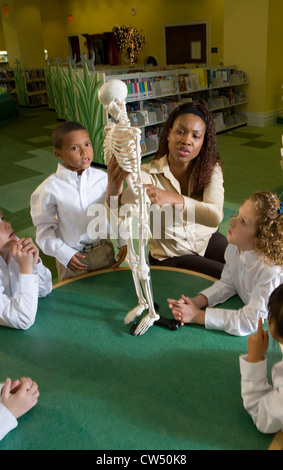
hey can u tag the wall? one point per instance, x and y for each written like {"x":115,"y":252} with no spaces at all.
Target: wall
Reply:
{"x":100,"y":16}
{"x":245,"y":39}
{"x":274,"y":62}
{"x":53,"y":28}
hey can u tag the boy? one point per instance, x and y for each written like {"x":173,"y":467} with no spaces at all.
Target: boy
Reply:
{"x":62,"y":207}
{"x":23,"y":279}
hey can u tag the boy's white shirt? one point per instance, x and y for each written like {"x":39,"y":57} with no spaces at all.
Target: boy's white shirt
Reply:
{"x":247,"y":275}
{"x":262,"y":401}
{"x":61,"y":211}
{"x":19,"y":293}
{"x":7,"y":419}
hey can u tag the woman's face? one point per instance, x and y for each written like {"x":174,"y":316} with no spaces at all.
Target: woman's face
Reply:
{"x":185,"y":139}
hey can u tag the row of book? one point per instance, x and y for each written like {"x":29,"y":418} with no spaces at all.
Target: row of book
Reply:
{"x":33,"y":87}
{"x":150,"y":140}
{"x":152,"y":113}
{"x":218,"y":100}
{"x":32,"y":74}
{"x":225,"y":120}
{"x":38,"y":100}
{"x":194,"y":80}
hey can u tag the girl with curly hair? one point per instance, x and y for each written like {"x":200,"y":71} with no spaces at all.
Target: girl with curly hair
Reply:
{"x":184,"y":183}
{"x":253,"y":269}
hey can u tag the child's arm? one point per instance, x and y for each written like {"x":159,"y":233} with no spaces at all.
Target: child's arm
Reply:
{"x":263,"y":402}
{"x":43,"y":274}
{"x":45,"y":218}
{"x":18,"y":310}
{"x":244,"y":321}
{"x":17,"y":398}
{"x":120,"y":256}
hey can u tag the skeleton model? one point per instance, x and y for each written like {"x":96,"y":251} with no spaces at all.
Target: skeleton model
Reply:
{"x":123,"y":141}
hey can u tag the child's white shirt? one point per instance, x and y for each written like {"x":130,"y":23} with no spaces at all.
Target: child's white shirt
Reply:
{"x":245,"y":274}
{"x":19,"y":293}
{"x":262,"y":401}
{"x":7,"y":419}
{"x":65,"y":209}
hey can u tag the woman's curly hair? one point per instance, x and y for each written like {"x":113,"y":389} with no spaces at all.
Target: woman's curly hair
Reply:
{"x":201,"y":168}
{"x":269,"y":223}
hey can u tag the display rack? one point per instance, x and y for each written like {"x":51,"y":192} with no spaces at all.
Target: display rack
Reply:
{"x":153,"y":95}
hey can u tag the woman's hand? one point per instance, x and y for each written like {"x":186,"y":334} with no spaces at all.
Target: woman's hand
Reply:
{"x":161,"y":197}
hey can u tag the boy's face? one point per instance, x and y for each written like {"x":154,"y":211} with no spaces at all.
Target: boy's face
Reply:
{"x":76,"y":151}
{"x":6,"y":233}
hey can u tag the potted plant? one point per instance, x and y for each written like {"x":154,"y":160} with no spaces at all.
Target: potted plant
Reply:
{"x":130,"y":39}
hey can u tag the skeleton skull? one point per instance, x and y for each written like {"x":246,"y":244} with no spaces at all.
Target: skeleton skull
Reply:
{"x":112,"y":96}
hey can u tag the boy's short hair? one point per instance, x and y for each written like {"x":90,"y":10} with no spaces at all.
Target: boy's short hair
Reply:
{"x":62,"y":129}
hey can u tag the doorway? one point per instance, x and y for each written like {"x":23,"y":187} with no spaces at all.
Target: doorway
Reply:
{"x":74,"y":44}
{"x":186,"y":43}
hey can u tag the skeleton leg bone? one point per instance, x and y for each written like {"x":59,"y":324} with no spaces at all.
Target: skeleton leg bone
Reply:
{"x":132,"y":260}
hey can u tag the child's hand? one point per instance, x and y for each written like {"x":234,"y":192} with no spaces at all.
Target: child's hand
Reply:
{"x":185,"y":310}
{"x":22,"y":258}
{"x":120,"y":256}
{"x":29,"y":246}
{"x":75,"y":264}
{"x":116,"y":178}
{"x":257,"y":344}
{"x":20,"y":399}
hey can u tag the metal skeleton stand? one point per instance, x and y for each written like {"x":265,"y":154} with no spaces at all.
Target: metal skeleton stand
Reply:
{"x":123,"y":141}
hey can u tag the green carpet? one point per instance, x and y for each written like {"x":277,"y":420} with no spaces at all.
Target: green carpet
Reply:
{"x":103,"y":389}
{"x":250,"y":157}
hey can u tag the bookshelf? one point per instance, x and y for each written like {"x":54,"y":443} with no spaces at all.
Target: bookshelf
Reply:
{"x":153,"y":95}
{"x":30,"y":86}
{"x":7,"y":80}
{"x":35,"y":87}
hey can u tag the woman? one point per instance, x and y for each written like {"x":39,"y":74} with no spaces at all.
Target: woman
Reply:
{"x":184,"y":183}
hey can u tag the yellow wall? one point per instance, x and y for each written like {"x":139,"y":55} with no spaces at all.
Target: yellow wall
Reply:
{"x":53,"y":28}
{"x":245,"y":39}
{"x":22,"y":32}
{"x":274,"y":63}
{"x":2,"y":38}
{"x":95,"y":17}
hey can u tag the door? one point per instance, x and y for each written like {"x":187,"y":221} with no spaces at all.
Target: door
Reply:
{"x":186,"y":44}
{"x":75,"y":47}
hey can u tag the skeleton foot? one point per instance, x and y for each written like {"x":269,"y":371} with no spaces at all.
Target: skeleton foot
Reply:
{"x":145,"y":324}
{"x":135,"y":312}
